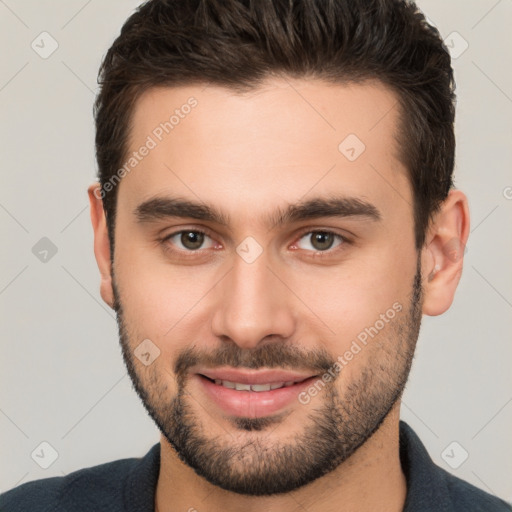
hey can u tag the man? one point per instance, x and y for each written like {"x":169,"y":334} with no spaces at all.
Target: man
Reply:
{"x":275,"y":212}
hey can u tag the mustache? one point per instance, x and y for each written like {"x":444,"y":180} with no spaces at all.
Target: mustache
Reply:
{"x":272,"y":355}
{"x":286,"y":355}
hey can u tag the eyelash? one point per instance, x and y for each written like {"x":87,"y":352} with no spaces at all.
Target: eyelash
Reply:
{"x":344,"y":241}
{"x":190,"y":253}
{"x":316,"y":254}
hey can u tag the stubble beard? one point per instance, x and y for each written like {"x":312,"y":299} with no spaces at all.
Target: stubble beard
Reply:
{"x":254,"y":462}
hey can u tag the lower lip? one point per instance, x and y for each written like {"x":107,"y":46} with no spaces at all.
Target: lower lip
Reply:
{"x":253,"y":404}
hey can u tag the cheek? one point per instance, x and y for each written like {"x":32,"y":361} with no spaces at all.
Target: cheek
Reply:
{"x":161,"y":302}
{"x":154,"y":303}
{"x":349,"y":299}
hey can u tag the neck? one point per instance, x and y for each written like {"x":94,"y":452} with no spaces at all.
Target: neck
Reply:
{"x":371,"y":479}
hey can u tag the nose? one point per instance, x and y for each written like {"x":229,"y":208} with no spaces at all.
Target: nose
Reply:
{"x":253,"y":304}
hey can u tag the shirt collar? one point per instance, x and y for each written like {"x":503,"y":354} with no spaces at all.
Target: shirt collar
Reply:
{"x":426,"y":482}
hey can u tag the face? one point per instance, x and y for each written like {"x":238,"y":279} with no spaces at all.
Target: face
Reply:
{"x":267,"y":231}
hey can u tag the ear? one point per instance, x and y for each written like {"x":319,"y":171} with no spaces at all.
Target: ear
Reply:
{"x":101,"y":242}
{"x":443,"y":253}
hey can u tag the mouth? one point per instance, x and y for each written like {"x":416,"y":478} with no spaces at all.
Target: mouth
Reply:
{"x":253,"y":395}
{"x":258,"y":388}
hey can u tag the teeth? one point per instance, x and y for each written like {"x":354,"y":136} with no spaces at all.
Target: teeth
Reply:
{"x":261,"y":387}
{"x":225,"y":383}
{"x":253,"y":387}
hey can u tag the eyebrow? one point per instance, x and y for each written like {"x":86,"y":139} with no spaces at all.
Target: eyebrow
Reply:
{"x":159,"y":208}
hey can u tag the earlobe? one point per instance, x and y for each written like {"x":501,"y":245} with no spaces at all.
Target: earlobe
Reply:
{"x":443,"y":253}
{"x":101,"y":242}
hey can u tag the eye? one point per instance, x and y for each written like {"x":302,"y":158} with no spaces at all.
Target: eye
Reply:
{"x":320,"y":240}
{"x":190,"y":240}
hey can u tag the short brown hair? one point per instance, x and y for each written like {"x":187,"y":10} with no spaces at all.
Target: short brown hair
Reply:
{"x":239,"y":43}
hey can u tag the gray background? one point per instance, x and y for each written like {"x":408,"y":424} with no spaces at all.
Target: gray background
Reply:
{"x":62,"y":377}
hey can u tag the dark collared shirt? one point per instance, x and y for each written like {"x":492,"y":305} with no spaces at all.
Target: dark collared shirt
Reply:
{"x":129,"y":485}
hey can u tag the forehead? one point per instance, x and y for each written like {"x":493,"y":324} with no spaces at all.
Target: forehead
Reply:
{"x":281,"y":140}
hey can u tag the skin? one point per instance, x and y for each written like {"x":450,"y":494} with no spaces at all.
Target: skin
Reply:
{"x":248,"y":155}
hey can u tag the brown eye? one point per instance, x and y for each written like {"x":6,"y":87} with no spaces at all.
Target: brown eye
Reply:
{"x":319,"y":240}
{"x":192,"y":239}
{"x":322,"y":240}
{"x":189,"y":240}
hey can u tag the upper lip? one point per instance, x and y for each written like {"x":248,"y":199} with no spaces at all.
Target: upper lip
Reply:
{"x":254,"y":377}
